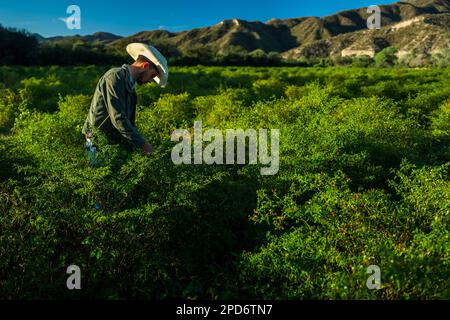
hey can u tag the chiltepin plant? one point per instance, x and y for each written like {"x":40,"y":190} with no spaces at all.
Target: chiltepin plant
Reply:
{"x":363,"y":180}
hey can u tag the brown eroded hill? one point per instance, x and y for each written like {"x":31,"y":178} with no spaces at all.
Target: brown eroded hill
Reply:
{"x":426,"y":28}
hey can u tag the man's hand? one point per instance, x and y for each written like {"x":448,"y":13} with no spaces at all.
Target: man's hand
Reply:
{"x":147,"y":148}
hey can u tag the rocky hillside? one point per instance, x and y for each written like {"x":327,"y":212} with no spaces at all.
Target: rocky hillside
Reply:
{"x":414,"y":25}
{"x":420,"y":35}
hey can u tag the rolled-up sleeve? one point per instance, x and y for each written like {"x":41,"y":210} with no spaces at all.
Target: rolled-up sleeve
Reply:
{"x":115,"y":100}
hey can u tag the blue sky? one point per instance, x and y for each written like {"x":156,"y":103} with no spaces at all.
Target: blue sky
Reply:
{"x":127,"y":17}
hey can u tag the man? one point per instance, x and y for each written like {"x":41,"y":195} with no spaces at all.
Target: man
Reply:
{"x":113,"y":107}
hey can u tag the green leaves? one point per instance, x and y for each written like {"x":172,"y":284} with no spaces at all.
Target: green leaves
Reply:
{"x":363,"y":181}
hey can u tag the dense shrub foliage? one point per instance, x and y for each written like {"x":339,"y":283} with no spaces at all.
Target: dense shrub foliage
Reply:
{"x":363,"y":180}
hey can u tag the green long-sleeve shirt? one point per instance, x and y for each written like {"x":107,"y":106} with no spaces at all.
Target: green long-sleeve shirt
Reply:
{"x":113,"y":108}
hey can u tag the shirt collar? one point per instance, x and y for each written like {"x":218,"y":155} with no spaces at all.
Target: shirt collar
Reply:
{"x":132,"y":82}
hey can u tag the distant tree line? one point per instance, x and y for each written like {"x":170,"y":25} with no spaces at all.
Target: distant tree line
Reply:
{"x":19,"y":47}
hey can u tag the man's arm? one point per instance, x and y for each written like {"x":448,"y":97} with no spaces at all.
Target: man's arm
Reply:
{"x":115,"y":99}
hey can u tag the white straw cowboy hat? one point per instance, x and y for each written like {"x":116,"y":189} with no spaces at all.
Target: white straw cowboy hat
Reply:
{"x":151,"y":53}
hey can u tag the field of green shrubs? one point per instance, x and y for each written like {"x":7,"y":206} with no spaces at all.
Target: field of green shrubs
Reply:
{"x":364,"y":179}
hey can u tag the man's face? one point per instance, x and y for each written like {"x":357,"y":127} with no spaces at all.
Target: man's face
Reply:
{"x":146,"y":74}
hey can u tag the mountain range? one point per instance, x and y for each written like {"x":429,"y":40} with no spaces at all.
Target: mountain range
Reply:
{"x":413,"y":26}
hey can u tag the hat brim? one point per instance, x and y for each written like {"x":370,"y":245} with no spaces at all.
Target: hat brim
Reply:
{"x":151,"y":53}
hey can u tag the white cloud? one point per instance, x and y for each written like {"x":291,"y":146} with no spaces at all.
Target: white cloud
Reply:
{"x":63,"y":20}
